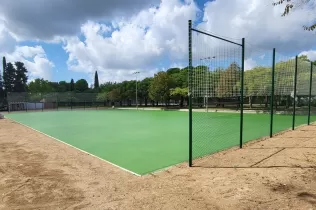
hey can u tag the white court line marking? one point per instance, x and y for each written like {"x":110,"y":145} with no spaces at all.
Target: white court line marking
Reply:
{"x":75,"y":147}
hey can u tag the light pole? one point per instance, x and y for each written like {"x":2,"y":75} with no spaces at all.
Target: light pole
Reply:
{"x":137,"y":72}
{"x":207,"y":61}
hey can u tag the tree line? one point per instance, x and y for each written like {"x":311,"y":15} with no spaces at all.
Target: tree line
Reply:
{"x":169,"y":85}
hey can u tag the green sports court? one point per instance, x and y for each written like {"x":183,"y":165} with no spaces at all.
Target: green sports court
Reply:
{"x":146,"y":141}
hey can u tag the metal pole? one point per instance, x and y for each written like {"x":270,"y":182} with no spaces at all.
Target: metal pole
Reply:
{"x":137,"y":72}
{"x":207,"y":87}
{"x":294,"y":103}
{"x":136,"y":94}
{"x":43,"y":104}
{"x":242,"y":93}
{"x":25,"y":103}
{"x":57,"y":102}
{"x":190,"y":93}
{"x":272,"y":94}
{"x":310,"y":94}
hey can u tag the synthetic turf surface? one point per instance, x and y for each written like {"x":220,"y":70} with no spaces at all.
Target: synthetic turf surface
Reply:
{"x":146,"y":141}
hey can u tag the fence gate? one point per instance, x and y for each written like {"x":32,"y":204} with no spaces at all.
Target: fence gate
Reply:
{"x":216,"y":72}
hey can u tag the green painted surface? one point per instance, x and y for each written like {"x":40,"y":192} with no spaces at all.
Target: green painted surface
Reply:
{"x":218,"y":131}
{"x":145,"y":141}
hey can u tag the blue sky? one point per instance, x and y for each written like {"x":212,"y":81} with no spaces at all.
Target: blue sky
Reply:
{"x":59,"y":57}
{"x":147,"y":39}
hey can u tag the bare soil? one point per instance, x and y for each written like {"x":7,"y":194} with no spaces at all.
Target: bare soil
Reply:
{"x":37,"y":172}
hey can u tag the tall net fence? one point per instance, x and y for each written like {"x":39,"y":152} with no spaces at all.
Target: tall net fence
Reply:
{"x":313,"y":95}
{"x":257,"y":92}
{"x":278,"y":93}
{"x":214,"y":86}
{"x":302,"y":92}
{"x":283,"y":103}
{"x":19,"y":101}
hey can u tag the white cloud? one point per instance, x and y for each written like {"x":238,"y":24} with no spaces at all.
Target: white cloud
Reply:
{"x":250,"y":63}
{"x":311,"y":54}
{"x":154,"y":37}
{"x":139,"y":43}
{"x":260,"y":23}
{"x":35,"y":60}
{"x":7,"y":42}
{"x":47,"y":19}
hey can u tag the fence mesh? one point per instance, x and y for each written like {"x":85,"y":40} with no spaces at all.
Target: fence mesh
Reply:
{"x":283,"y":92}
{"x":215,"y":86}
{"x":257,"y":93}
{"x":302,"y":92}
{"x":313,"y":96}
{"x":18,"y":101}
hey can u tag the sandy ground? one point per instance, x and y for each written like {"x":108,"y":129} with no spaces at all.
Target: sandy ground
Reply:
{"x":37,"y":172}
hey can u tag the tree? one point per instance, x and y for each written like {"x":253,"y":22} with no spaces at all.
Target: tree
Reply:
{"x":114,"y":95}
{"x":305,"y":58}
{"x":20,"y":81}
{"x":295,"y":4}
{"x":144,"y":89}
{"x":227,"y":84}
{"x":1,"y":81}
{"x":159,"y":89}
{"x":42,"y":86}
{"x":35,"y":86}
{"x":72,"y":85}
{"x":96,"y":81}
{"x":179,"y":93}
{"x":81,"y":85}
{"x":102,"y":96}
{"x":63,"y":86}
{"x":4,"y":64}
{"x":8,"y":77}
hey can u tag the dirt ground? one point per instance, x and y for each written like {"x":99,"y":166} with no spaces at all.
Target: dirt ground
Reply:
{"x":37,"y":172}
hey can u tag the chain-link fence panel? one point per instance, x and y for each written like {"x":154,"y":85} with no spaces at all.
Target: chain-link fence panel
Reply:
{"x":215,"y":88}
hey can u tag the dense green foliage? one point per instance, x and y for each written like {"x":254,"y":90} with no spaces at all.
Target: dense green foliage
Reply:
{"x":172,"y":85}
{"x":72,"y":85}
{"x":96,"y":81}
{"x":81,"y":85}
{"x":4,"y":63}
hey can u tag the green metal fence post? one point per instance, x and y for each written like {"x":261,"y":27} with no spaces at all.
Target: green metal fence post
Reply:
{"x":190,"y":94}
{"x":272,"y":93}
{"x":25,"y":103}
{"x":295,"y":81}
{"x":310,"y":94}
{"x":43,"y":104}
{"x":242,"y":93}
{"x":57,"y":102}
